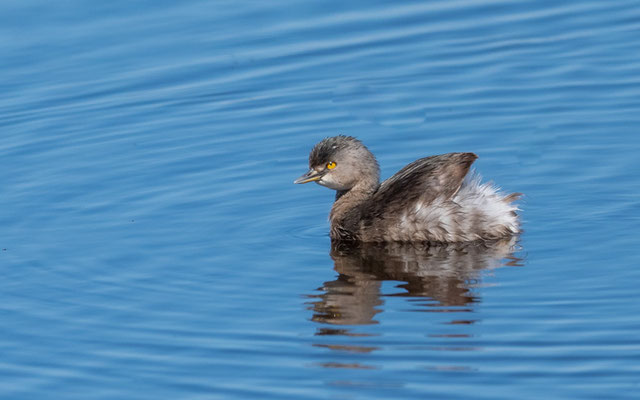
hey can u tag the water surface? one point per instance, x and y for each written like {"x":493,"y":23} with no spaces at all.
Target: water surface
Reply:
{"x":153,"y":245}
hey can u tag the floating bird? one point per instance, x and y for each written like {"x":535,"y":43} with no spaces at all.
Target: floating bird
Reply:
{"x":432,"y":199}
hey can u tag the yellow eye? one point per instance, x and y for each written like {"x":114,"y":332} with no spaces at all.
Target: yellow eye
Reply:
{"x":331,"y":165}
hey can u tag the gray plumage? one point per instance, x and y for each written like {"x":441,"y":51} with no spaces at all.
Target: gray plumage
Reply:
{"x":431,"y":199}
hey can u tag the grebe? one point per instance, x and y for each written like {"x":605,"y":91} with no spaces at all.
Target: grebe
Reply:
{"x":429,"y":200}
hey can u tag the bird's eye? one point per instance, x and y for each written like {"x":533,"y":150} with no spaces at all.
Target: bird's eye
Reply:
{"x":331,"y":165}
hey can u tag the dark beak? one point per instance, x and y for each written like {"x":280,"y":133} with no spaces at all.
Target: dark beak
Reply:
{"x":310,"y":176}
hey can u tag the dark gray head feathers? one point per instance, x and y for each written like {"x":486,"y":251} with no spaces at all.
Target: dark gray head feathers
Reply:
{"x":329,"y":148}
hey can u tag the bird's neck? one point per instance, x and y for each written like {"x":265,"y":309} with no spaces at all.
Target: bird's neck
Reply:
{"x":346,"y":212}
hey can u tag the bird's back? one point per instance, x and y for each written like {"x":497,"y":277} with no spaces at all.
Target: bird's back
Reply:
{"x":430,"y":200}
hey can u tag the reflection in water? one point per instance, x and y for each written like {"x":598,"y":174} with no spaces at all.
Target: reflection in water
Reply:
{"x":444,"y":278}
{"x":443,"y":273}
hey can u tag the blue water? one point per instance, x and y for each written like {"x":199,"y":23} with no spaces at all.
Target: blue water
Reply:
{"x":153,"y":244}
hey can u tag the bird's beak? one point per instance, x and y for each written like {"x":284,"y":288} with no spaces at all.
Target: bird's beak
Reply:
{"x":310,"y":176}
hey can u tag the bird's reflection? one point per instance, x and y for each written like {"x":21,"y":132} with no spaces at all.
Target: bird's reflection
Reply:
{"x":441,"y":278}
{"x":444,"y":275}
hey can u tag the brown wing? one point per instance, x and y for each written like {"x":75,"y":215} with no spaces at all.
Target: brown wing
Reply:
{"x":423,"y":180}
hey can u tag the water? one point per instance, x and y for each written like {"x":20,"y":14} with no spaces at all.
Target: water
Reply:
{"x":153,"y":245}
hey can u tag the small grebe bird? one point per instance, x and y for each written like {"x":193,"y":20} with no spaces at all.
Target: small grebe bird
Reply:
{"x":427,"y":200}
